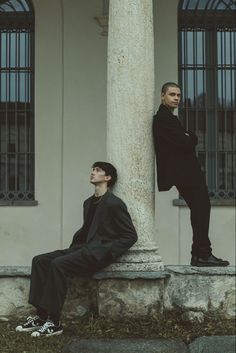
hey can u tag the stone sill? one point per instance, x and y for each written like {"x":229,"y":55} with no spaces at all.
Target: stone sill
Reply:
{"x":223,"y":202}
{"x":19,"y":203}
{"x":15,"y":271}
{"x":24,"y":271}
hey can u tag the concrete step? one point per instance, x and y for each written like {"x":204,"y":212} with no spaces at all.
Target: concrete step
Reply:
{"x":213,"y":344}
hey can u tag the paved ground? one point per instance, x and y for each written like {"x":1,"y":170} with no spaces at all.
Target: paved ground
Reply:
{"x":213,"y":344}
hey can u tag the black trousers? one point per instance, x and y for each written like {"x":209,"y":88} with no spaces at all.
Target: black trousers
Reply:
{"x":50,"y":272}
{"x":198,"y":201}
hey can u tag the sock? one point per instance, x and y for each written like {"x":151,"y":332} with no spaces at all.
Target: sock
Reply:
{"x":42,"y":313}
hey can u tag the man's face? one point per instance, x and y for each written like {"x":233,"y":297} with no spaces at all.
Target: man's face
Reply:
{"x":171,"y":98}
{"x":97,"y":176}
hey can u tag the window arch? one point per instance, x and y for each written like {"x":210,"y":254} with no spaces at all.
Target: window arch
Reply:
{"x":16,"y":101}
{"x":207,"y":74}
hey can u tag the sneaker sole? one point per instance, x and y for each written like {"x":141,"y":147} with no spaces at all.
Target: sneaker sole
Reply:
{"x":208,"y":265}
{"x":48,"y":334}
{"x":54,"y":334}
{"x":31,"y":329}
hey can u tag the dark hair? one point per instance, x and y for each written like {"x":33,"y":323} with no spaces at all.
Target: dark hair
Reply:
{"x":109,"y":169}
{"x":166,"y":85}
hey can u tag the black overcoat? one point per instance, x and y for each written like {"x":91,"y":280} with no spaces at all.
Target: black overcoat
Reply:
{"x":176,"y":159}
{"x":111,"y":232}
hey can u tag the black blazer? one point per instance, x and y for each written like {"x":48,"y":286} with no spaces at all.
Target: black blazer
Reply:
{"x":111,"y":232}
{"x":176,"y":160}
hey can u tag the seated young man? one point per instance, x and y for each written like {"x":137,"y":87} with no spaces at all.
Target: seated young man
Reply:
{"x":106,"y":234}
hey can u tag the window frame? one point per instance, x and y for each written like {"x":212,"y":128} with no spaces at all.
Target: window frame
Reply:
{"x":15,"y":23}
{"x":209,"y":22}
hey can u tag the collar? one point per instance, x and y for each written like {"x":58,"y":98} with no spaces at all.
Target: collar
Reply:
{"x":164,"y":112}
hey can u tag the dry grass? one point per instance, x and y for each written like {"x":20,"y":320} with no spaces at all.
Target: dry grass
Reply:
{"x":162,"y":326}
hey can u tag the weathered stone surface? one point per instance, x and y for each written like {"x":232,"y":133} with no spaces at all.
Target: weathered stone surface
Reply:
{"x":214,"y":344}
{"x":13,"y":295}
{"x":81,"y":297}
{"x":206,"y":290}
{"x":130,"y":298}
{"x":132,"y":294}
{"x":126,"y":346}
{"x":132,"y":275}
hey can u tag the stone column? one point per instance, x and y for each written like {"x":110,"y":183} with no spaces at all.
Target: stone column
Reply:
{"x":130,"y":110}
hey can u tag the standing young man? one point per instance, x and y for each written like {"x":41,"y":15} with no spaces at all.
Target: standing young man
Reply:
{"x":178,"y":165}
{"x":107,"y":233}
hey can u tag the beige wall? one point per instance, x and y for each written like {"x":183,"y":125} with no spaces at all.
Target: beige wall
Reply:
{"x":173,"y":229}
{"x":70,"y":125}
{"x":70,"y":118}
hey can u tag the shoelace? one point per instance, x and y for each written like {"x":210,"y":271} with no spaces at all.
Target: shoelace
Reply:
{"x":31,"y":319}
{"x":46,"y":326}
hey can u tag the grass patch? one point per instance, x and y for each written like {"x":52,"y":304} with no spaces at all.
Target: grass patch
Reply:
{"x":168,"y":325}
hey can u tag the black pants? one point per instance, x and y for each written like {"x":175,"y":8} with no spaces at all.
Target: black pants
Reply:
{"x":198,"y":201}
{"x":50,"y":272}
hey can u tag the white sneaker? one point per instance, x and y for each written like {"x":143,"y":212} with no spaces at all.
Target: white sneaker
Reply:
{"x":32,"y":323}
{"x":48,"y":329}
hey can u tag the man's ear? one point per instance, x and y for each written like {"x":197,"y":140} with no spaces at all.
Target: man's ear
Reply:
{"x":107,"y":177}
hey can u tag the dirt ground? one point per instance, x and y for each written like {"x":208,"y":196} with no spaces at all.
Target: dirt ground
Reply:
{"x":162,"y":326}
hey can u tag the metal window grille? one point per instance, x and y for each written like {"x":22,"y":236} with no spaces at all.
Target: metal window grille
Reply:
{"x":207,"y":74}
{"x":16,"y":100}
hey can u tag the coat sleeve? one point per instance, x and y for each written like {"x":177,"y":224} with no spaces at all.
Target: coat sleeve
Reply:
{"x":171,"y":132}
{"x":126,"y":234}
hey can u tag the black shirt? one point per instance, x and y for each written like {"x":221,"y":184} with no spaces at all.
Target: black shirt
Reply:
{"x":89,"y":219}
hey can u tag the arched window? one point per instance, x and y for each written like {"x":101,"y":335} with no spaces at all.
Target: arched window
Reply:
{"x":207,"y":74}
{"x":16,"y":102}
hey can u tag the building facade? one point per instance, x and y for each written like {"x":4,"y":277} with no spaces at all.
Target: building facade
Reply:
{"x":82,"y":96}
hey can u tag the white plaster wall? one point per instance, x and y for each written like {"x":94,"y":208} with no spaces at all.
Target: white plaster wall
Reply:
{"x":70,"y":106}
{"x":166,"y":69}
{"x":173,"y":228}
{"x":25,"y":231}
{"x":84,"y":139}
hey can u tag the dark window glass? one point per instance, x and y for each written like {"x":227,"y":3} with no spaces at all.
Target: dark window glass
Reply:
{"x":16,"y":100}
{"x":207,"y":66}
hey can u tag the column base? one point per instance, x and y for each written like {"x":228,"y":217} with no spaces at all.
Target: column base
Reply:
{"x":138,"y":260}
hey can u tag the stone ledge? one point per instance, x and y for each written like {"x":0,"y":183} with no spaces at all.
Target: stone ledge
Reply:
{"x":214,"y":202}
{"x":131,"y":275}
{"x":16,"y":203}
{"x":205,"y":271}
{"x":24,"y":271}
{"x":15,"y":271}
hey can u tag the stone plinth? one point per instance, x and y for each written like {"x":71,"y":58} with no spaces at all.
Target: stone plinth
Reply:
{"x":196,"y":292}
{"x":206,"y":290}
{"x":130,"y":294}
